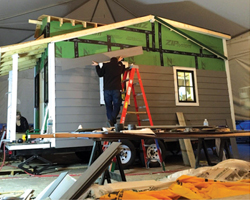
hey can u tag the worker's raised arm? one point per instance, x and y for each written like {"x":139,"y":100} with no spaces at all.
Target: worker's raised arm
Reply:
{"x":99,"y":68}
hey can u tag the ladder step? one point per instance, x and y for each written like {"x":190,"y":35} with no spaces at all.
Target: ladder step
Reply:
{"x":145,"y":120}
{"x":138,"y":94}
{"x":142,"y":107}
{"x":136,"y":83}
{"x":125,"y":80}
{"x":133,"y":112}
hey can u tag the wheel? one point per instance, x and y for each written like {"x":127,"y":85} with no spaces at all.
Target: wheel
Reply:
{"x":128,"y":153}
{"x":152,"y":153}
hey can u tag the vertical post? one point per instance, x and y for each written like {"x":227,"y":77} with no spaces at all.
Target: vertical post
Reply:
{"x":229,"y":85}
{"x":51,"y":84}
{"x":12,"y":100}
{"x":232,"y":140}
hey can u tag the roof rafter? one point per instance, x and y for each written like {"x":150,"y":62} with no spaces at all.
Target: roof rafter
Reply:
{"x":181,"y":33}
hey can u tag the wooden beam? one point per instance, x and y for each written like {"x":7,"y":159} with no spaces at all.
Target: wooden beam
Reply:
{"x":9,"y":58}
{"x":196,"y":29}
{"x":73,"y":22}
{"x":48,"y":19}
{"x":61,"y":21}
{"x":84,"y":24}
{"x":76,"y":34}
{"x":20,"y":65}
{"x":67,"y":20}
{"x":185,"y":144}
{"x":35,"y":22}
{"x":166,"y":135}
{"x":21,"y":60}
{"x":23,"y":48}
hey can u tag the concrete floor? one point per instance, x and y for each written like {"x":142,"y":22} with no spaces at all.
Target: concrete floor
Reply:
{"x":75,"y":167}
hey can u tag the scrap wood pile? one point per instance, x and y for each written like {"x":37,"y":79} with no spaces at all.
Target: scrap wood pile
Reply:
{"x":230,"y":178}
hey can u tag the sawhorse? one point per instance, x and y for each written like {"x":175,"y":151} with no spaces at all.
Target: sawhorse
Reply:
{"x":106,"y":175}
{"x":224,"y":145}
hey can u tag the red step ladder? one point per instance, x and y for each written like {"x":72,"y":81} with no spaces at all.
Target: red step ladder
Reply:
{"x":130,"y":87}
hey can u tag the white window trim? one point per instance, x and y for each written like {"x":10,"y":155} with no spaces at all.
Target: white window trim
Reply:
{"x":177,"y":103}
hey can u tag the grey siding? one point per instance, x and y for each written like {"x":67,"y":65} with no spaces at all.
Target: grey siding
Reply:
{"x":159,"y":88}
{"x":78,"y":99}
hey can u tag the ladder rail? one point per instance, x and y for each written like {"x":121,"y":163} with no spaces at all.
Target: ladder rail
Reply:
{"x":144,"y":97}
{"x":136,"y":106}
{"x":125,"y":107}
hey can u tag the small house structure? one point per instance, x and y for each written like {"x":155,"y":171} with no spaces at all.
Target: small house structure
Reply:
{"x":183,"y":68}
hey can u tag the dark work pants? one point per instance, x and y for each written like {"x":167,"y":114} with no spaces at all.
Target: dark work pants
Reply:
{"x":113,"y":101}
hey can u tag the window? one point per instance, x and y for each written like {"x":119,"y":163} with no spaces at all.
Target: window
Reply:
{"x":186,"y":93}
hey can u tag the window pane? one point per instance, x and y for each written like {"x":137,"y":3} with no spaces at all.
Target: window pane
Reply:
{"x":182,"y":94}
{"x":190,"y":94}
{"x":188,"y":79}
{"x":181,"y":80}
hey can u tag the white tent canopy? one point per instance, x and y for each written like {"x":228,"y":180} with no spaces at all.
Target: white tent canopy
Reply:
{"x":239,"y":63}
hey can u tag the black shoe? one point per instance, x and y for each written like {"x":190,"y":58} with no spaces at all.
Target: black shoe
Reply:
{"x":110,"y":123}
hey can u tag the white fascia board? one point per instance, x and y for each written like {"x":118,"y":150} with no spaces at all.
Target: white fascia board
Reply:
{"x":196,"y":29}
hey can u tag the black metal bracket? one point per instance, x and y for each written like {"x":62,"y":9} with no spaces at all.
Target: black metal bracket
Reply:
{"x":35,"y":170}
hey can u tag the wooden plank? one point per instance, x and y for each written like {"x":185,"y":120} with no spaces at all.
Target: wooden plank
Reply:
{"x":166,"y":135}
{"x":185,"y":144}
{"x":196,"y":29}
{"x":24,"y":64}
{"x":30,"y":53}
{"x":23,"y":47}
{"x":67,"y":20}
{"x":22,"y":60}
{"x":35,"y":22}
{"x":58,"y":38}
{"x":85,"y":61}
